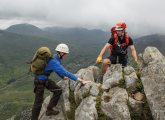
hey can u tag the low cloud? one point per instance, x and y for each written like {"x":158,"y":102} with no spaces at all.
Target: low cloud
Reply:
{"x":142,"y":17}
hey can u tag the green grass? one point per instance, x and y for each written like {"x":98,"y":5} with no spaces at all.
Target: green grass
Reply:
{"x":101,"y":115}
{"x":14,"y":99}
{"x":17,"y":97}
{"x":13,"y":102}
{"x":122,"y":83}
{"x":12,"y":108}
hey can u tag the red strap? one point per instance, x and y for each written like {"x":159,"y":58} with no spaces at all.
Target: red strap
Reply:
{"x":110,"y":49}
{"x":116,"y":41}
{"x":127,"y":39}
{"x":122,"y":45}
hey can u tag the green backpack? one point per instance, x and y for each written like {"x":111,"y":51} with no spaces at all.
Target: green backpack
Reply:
{"x":40,"y":60}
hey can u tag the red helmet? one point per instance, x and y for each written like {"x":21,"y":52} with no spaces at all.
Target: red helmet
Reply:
{"x":120,"y":26}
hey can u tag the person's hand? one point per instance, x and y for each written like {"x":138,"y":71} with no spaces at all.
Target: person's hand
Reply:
{"x":137,"y":65}
{"x":66,"y":78}
{"x":83,"y":81}
{"x":136,"y":61}
{"x":99,"y":59}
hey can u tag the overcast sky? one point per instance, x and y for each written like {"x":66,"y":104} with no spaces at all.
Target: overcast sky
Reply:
{"x":142,"y":16}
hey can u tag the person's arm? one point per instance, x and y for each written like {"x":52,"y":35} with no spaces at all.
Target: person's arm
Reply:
{"x":99,"y":58}
{"x":78,"y":79}
{"x":106,"y":46}
{"x":133,"y":53}
{"x":60,"y":70}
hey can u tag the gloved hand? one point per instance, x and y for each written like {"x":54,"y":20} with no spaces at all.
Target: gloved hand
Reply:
{"x":137,"y":62}
{"x":137,"y":65}
{"x":99,"y":59}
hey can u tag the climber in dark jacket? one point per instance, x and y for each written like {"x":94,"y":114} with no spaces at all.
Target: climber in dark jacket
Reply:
{"x":118,"y":44}
{"x":42,"y":81}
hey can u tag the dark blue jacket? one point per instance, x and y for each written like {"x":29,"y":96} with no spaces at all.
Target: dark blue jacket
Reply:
{"x":54,"y":65}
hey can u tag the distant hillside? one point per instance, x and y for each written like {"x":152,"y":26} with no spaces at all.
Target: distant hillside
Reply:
{"x":83,"y":43}
{"x":151,"y":40}
{"x":78,"y":35}
{"x":26,"y":29}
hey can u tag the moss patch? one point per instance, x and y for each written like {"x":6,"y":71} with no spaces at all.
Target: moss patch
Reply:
{"x":71,"y":114}
{"x":101,"y":115}
{"x":122,"y":83}
{"x":134,"y":115}
{"x":146,"y":113}
{"x":139,"y":86}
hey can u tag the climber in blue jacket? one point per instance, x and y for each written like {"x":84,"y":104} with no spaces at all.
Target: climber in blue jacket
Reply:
{"x":42,"y":81}
{"x":54,"y":65}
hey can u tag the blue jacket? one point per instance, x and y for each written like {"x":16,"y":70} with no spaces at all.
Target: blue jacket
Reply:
{"x":54,"y":65}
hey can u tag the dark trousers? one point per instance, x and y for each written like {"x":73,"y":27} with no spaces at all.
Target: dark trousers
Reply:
{"x":39,"y":94}
{"x":123,"y":59}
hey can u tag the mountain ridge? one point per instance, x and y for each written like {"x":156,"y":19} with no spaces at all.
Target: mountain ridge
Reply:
{"x":26,"y":29}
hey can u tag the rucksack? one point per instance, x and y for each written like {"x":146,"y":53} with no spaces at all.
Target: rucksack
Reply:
{"x":121,"y":45}
{"x":113,"y":30}
{"x":40,"y":60}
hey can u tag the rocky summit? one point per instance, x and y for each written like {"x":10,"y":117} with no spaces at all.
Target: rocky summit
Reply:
{"x":130,"y":93}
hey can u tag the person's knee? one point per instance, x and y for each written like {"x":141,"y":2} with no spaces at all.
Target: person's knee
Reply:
{"x":106,"y":62}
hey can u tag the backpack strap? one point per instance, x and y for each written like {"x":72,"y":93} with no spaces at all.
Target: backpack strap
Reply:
{"x":127,"y":38}
{"x":115,"y":39}
{"x":114,"y":35}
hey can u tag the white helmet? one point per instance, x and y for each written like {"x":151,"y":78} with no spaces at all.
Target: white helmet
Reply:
{"x":62,"y":48}
{"x":118,"y":28}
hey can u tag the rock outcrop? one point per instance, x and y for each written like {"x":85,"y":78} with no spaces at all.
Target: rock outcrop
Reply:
{"x":153,"y":79}
{"x":114,"y":104}
{"x":87,"y":110}
{"x":112,"y":77}
{"x":123,"y":95}
{"x":130,"y":79}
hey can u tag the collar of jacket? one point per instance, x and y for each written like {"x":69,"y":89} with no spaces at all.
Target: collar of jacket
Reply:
{"x":57,"y":58}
